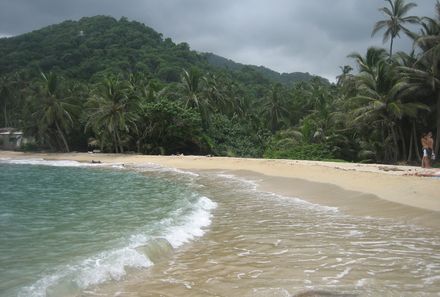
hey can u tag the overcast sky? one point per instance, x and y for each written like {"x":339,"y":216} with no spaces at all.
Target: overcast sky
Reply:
{"x":312,"y":36}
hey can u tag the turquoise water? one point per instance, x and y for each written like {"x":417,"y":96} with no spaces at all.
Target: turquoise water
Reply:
{"x":64,"y":229}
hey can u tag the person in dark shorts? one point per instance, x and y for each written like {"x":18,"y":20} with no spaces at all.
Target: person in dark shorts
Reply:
{"x":427,"y":149}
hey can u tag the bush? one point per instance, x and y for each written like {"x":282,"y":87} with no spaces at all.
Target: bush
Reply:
{"x":30,"y":147}
{"x":229,"y":137}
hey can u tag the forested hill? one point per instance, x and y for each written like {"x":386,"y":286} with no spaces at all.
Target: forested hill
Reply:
{"x":284,"y":78}
{"x":92,"y":46}
{"x":119,"y":86}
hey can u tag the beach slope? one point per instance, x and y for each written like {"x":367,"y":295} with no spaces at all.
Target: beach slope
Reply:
{"x":367,"y":189}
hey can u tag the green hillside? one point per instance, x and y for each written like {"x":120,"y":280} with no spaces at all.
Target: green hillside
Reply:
{"x":119,"y":86}
{"x":94,"y":46}
{"x":97,"y":45}
{"x":283,"y":78}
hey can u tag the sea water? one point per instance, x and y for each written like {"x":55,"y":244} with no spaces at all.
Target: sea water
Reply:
{"x":262,"y":244}
{"x":151,"y":231}
{"x":65,"y":227}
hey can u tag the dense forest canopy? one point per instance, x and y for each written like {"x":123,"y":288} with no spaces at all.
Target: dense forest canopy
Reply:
{"x":119,"y":86}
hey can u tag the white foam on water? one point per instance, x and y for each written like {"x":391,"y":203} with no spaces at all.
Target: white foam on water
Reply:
{"x":302,"y":203}
{"x":253,"y":185}
{"x":147,"y":166}
{"x":334,"y":279}
{"x":361,"y":283}
{"x":108,"y":265}
{"x":431,"y":280}
{"x":355,"y":233}
{"x":111,"y":265}
{"x":58,"y":163}
{"x":193,"y":225}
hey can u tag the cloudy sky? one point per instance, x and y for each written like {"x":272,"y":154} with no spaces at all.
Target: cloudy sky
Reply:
{"x":312,"y":36}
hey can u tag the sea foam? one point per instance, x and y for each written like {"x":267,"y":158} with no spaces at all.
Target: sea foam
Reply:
{"x":59,"y":163}
{"x":112,"y":265}
{"x":140,"y":251}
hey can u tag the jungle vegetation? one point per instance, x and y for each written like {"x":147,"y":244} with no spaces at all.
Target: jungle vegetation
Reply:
{"x":119,"y":86}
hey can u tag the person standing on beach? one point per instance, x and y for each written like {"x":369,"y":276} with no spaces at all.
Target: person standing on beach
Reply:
{"x":427,"y":149}
{"x":425,"y":156}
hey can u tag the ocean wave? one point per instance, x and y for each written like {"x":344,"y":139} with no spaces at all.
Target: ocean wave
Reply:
{"x":59,"y":163}
{"x":253,"y":186}
{"x":147,"y":166}
{"x":193,"y":225}
{"x":40,"y":161}
{"x":142,"y":251}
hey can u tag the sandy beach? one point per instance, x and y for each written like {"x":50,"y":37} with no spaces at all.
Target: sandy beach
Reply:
{"x":362,"y":189}
{"x":355,"y":229}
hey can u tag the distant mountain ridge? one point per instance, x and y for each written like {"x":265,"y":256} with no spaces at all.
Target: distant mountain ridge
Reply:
{"x":93,"y":46}
{"x":284,"y":78}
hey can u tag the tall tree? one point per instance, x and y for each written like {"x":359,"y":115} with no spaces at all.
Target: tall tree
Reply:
{"x":4,"y":99}
{"x":53,"y":112}
{"x":274,"y":107}
{"x":112,"y":113}
{"x":193,"y":90}
{"x":396,"y":19}
{"x":380,"y":106}
{"x":424,"y":75}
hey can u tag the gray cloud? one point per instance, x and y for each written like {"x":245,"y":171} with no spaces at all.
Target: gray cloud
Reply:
{"x":286,"y":35}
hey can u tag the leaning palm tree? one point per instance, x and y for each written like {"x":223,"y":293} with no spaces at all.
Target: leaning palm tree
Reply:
{"x":380,"y":105}
{"x":424,"y":75}
{"x":53,"y":112}
{"x":395,"y":21}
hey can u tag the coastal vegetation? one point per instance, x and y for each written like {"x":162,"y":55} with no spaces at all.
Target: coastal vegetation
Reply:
{"x":119,"y":86}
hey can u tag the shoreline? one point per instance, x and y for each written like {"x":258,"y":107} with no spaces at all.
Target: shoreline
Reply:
{"x":260,"y":239}
{"x":361,"y":189}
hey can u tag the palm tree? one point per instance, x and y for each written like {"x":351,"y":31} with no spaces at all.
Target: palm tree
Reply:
{"x":343,"y":76}
{"x":111,"y":113}
{"x":4,"y":98}
{"x":274,"y":107}
{"x":424,"y":75}
{"x":395,"y":21}
{"x":53,"y":113}
{"x":13,"y":90}
{"x":379,"y":105}
{"x":372,"y":59}
{"x":215,"y":94}
{"x":191,"y":82}
{"x":193,"y":86}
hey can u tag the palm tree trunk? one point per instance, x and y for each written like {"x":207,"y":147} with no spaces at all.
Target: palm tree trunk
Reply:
{"x":410,"y":147}
{"x":66,"y":146}
{"x":118,"y":142}
{"x":402,"y":140}
{"x":396,"y":144}
{"x":437,"y":138}
{"x":416,"y":143}
{"x":115,"y":142}
{"x":391,"y":47}
{"x":6,"y":115}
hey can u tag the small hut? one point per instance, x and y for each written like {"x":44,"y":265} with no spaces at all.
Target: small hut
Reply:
{"x":11,"y":139}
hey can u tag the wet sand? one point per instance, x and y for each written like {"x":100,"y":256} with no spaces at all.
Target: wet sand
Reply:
{"x":306,"y":179}
{"x":265,"y":245}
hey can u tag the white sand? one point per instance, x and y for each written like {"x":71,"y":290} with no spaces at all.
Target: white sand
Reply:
{"x":318,"y":181}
